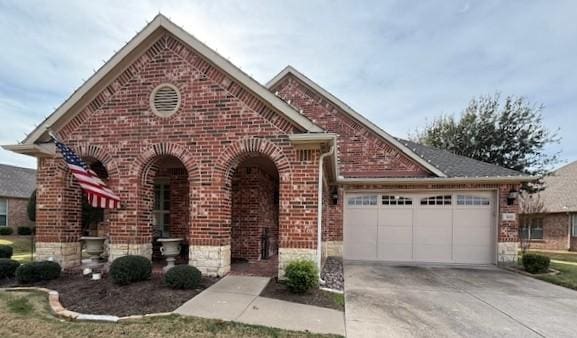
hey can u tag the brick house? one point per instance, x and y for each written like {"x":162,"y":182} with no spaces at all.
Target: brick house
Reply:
{"x":16,"y":186}
{"x":244,"y":172}
{"x":554,"y":227}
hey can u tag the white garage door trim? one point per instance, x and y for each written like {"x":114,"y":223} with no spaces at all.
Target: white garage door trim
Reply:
{"x":456,"y":227}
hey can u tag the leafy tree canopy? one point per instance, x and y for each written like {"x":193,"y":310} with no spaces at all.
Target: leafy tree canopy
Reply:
{"x":507,"y":132}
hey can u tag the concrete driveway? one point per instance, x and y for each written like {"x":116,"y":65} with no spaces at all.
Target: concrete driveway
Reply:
{"x":424,"y":301}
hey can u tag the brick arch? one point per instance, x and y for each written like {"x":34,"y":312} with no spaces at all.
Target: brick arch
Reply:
{"x":146,"y":158}
{"x":85,"y":150}
{"x":237,"y":152}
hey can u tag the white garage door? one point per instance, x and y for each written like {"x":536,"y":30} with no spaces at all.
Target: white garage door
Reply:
{"x":446,"y":227}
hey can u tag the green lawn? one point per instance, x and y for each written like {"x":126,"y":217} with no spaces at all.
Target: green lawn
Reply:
{"x":567,"y":276}
{"x":558,"y":255}
{"x":22,"y":246}
{"x":25,"y":314}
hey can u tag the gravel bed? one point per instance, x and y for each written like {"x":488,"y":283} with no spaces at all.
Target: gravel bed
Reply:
{"x":332,"y":273}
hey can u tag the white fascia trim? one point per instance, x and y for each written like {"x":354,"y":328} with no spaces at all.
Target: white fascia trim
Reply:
{"x":330,"y":138}
{"x":35,"y":150}
{"x":437,"y":180}
{"x":360,"y":118}
{"x":160,"y":21}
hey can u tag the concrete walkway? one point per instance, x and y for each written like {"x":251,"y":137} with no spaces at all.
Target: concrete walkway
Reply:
{"x":237,"y":298}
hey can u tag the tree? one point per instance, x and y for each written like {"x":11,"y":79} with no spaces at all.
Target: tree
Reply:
{"x":509,"y":133}
{"x":532,"y":207}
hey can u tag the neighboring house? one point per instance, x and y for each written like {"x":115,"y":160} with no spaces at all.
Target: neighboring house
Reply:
{"x":16,"y":186}
{"x":555,"y":227}
{"x":199,"y":150}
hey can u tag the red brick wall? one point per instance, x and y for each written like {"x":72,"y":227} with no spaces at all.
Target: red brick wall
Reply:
{"x":218,"y":124}
{"x":362,"y":153}
{"x":254,"y":212}
{"x":17,"y":214}
{"x":555,"y":233}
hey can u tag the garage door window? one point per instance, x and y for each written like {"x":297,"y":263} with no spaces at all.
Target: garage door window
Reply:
{"x":362,"y":200}
{"x":437,"y":200}
{"x":396,"y":200}
{"x":472,"y":200}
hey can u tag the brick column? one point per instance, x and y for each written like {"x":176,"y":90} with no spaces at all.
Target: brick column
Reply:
{"x":58,"y":213}
{"x":508,"y":237}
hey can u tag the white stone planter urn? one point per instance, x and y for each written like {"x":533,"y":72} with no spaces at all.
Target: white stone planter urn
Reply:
{"x":94,"y":247}
{"x":170,"y":249}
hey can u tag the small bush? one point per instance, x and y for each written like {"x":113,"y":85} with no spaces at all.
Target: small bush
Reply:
{"x":130,"y":269}
{"x":37,"y":271}
{"x":8,"y":267}
{"x":182,"y":277}
{"x":24,"y":231}
{"x":5,"y":251}
{"x":6,"y":231}
{"x":534,"y":263}
{"x":301,"y":276}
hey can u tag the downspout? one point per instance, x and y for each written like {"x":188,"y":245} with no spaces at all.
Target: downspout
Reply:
{"x":320,"y":211}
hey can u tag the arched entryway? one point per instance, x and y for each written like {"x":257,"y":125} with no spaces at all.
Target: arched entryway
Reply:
{"x":255,"y":217}
{"x":165,"y":201}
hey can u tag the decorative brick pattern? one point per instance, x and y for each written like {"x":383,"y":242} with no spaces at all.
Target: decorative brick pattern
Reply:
{"x":210,"y":260}
{"x":362,"y":153}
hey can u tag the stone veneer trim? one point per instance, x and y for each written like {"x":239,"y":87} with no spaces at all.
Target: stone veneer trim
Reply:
{"x":66,"y":254}
{"x":210,"y":260}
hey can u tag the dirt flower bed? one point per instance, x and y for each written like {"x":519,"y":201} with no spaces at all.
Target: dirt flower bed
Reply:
{"x":315,"y":297}
{"x":80,"y":294}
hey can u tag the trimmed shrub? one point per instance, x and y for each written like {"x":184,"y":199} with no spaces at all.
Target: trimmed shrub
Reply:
{"x":534,"y":263}
{"x":182,"y":277}
{"x":24,"y":231}
{"x":130,"y":269}
{"x":8,"y":267}
{"x":6,"y":231}
{"x":301,"y":276}
{"x":5,"y":251}
{"x":37,"y":271}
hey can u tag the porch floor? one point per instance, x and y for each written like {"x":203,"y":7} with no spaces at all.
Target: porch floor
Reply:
{"x":263,"y":268}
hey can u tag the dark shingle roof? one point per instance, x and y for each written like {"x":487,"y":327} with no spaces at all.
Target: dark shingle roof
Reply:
{"x":16,"y":181}
{"x":454,"y":165}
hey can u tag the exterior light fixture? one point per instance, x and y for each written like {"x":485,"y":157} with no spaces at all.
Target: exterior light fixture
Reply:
{"x":513,"y":194}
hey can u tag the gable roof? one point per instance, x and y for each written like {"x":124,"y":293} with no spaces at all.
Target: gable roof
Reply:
{"x":454,"y":165}
{"x":131,"y":50}
{"x":355,"y":116}
{"x":560,"y":194}
{"x":16,"y":181}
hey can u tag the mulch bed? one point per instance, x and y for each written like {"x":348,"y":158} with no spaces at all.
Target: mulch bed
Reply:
{"x":315,"y":297}
{"x":80,"y":294}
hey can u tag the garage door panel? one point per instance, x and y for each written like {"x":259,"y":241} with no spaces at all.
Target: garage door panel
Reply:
{"x":447,"y":227}
{"x":361,"y":234}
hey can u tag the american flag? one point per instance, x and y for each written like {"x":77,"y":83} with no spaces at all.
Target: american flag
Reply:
{"x":99,"y":195}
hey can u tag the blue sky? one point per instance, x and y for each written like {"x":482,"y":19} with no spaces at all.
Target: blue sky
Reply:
{"x":399,"y":63}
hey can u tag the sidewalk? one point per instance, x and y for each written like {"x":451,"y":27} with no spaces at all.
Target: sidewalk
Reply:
{"x":236,"y":298}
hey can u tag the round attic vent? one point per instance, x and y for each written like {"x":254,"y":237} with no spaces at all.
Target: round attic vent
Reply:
{"x":165,"y":100}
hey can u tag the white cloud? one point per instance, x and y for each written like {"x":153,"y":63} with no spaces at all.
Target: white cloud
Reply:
{"x":396,"y":62}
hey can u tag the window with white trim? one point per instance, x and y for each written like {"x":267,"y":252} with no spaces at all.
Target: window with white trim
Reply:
{"x":472,"y":200}
{"x":574,"y":225}
{"x":362,"y":200}
{"x":161,"y":211}
{"x":3,"y":212}
{"x":532,"y":228}
{"x":437,"y":200}
{"x":396,"y":200}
